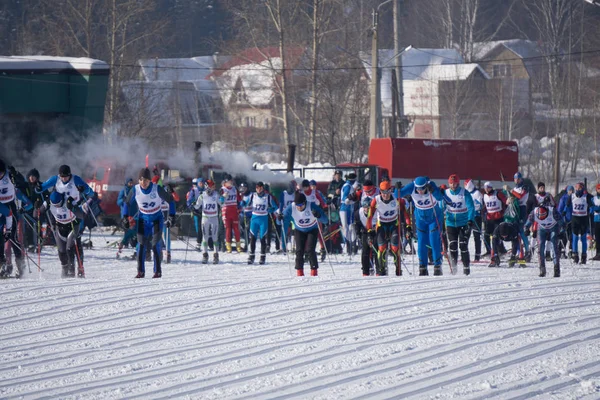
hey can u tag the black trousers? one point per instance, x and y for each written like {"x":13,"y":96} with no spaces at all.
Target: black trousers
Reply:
{"x":459,"y":237}
{"x":306,"y":242}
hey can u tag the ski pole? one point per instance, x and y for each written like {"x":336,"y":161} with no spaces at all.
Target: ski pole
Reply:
{"x":26,"y":255}
{"x":452,"y":268}
{"x":326,"y":252}
{"x":79,"y":260}
{"x":287,"y":252}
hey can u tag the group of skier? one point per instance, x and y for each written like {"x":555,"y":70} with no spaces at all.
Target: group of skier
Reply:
{"x":379,"y":219}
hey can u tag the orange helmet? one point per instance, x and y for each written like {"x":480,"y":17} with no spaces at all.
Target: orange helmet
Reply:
{"x":210,"y":183}
{"x":454,"y":179}
{"x":598,"y":187}
{"x":385,"y":186}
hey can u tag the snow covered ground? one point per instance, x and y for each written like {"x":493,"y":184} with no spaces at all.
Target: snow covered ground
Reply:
{"x":234,"y":331}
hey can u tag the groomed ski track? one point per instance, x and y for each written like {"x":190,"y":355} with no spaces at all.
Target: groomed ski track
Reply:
{"x":235,"y":331}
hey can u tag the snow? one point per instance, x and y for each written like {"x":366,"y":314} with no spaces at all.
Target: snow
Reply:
{"x":49,"y":62}
{"x":234,"y":331}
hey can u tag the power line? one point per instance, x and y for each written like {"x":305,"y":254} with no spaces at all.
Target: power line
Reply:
{"x":306,"y":69}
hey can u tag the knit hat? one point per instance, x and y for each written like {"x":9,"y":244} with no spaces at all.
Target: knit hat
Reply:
{"x":299,"y":198}
{"x":145,"y":173}
{"x":64,"y":170}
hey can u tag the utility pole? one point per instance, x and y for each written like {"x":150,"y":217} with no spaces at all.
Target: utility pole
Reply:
{"x":398,"y":68}
{"x":375,"y":113}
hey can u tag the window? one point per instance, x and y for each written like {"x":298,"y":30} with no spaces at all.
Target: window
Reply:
{"x":502,"y":70}
{"x":250,"y":121}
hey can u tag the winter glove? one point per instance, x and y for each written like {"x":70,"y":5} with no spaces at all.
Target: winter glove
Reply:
{"x":535,"y":234}
{"x":316,"y":214}
{"x":527,"y":232}
{"x":7,"y":235}
{"x":169,"y":221}
{"x":70,"y":203}
{"x":38,"y":203}
{"x":125,"y":223}
{"x":409,"y":232}
{"x":470,"y":224}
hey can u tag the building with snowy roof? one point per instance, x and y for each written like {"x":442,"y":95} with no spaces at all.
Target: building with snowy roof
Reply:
{"x":44,"y":97}
{"x":173,"y":104}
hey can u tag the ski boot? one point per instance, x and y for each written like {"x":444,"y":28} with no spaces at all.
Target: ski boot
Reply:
{"x":596,"y":257}
{"x":168,"y":257}
{"x":548,"y":256}
{"x":251,"y":258}
{"x":528,"y":256}
{"x":313,"y":272}
{"x":228,"y":247}
{"x":576,"y":258}
{"x":215,"y":258}
{"x":157,"y":275}
{"x":437,"y":270}
{"x":140,"y":275}
{"x":542,"y":271}
{"x":423,"y":270}
{"x":238,"y":247}
{"x":495,"y":262}
{"x":205,"y":258}
{"x":557,"y":270}
{"x":477,"y":258}
{"x":263,"y":258}
{"x":323,"y":254}
{"x":299,"y":272}
{"x":466,"y":266}
{"x":512,"y":261}
{"x":80,"y":272}
{"x":65,"y":271}
{"x":583,"y":258}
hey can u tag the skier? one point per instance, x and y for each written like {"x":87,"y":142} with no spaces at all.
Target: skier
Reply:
{"x":347,"y":210}
{"x":494,"y":204}
{"x":128,"y":238}
{"x":150,"y":220}
{"x":245,"y":214}
{"x":566,"y":213}
{"x":229,"y":200}
{"x":9,"y":195}
{"x":285,"y":199}
{"x":66,"y":233}
{"x":208,"y":204}
{"x":428,"y":218}
{"x":272,"y":226}
{"x":262,"y":205}
{"x":521,"y":193}
{"x":334,"y":190}
{"x":477,"y":204}
{"x":579,"y":203}
{"x":190,"y":198}
{"x":33,"y":216}
{"x":306,"y":216}
{"x":542,"y":197}
{"x":313,"y":196}
{"x":387,"y":229}
{"x":6,"y":223}
{"x":164,"y":207}
{"x":549,"y":222}
{"x":596,"y":212}
{"x":460,"y":214}
{"x":368,"y":256}
{"x":121,"y":198}
{"x":505,"y":232}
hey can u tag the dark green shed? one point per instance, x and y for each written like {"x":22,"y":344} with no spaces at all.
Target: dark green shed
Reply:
{"x":43,"y":98}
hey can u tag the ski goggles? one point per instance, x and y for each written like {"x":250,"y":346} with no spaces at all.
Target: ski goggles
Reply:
{"x":389,"y":191}
{"x":301,"y":205}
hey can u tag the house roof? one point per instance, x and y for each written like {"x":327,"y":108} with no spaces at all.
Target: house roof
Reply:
{"x":169,"y":103}
{"x":50,"y":63}
{"x":522,"y":48}
{"x":420,"y":64}
{"x":254,"y":71}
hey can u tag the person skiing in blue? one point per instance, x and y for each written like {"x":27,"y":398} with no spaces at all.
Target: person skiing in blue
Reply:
{"x":150,"y":220}
{"x":428,"y":219}
{"x":262,"y":205}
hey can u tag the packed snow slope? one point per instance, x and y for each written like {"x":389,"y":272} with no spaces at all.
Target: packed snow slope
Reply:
{"x":238,"y":331}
